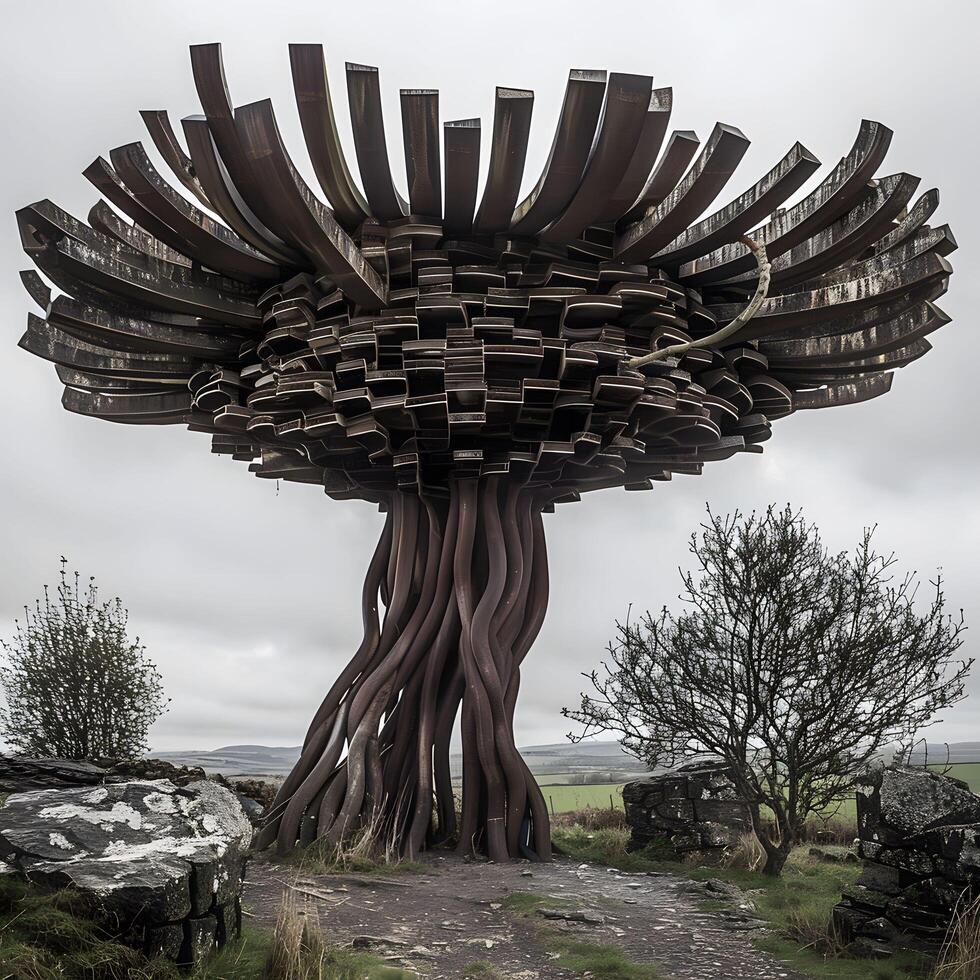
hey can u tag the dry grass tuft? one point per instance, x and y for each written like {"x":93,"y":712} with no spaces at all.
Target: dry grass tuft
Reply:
{"x":813,"y":934}
{"x":748,"y":855}
{"x":370,"y":848}
{"x":959,"y":958}
{"x":298,"y":952}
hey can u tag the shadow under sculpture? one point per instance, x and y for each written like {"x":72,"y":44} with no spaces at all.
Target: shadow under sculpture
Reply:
{"x":467,"y":366}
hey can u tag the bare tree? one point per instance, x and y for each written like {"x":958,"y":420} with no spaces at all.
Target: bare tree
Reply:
{"x":793,"y":665}
{"x":76,"y":686}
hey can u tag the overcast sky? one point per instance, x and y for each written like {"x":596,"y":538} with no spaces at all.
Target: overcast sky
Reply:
{"x":248,"y":598}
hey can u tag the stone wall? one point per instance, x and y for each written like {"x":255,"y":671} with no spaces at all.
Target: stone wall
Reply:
{"x":161,"y":865}
{"x":919,"y":837}
{"x":692,"y":811}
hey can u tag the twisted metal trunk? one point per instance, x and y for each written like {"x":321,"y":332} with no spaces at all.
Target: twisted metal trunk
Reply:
{"x":464,"y":584}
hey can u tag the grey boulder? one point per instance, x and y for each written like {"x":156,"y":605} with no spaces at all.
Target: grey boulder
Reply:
{"x":151,"y":856}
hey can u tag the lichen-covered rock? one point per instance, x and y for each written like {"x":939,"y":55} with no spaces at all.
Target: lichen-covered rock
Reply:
{"x":692,"y":810}
{"x":902,"y":801}
{"x":148,"y":854}
{"x":919,"y":836}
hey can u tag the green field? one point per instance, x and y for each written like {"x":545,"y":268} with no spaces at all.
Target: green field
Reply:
{"x":969,"y":772}
{"x":562,"y":798}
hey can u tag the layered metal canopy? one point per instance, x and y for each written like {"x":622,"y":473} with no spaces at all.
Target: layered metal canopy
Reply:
{"x":345,"y":336}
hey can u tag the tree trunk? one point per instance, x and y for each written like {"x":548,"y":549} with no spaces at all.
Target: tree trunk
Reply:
{"x":776,"y":855}
{"x":464,"y":582}
{"x":779,"y":850}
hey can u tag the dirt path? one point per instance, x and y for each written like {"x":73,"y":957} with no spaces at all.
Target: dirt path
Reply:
{"x":443,"y":919}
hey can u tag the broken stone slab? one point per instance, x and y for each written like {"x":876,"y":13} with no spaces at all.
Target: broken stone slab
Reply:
{"x":902,"y":801}
{"x":146,"y":855}
{"x":20,"y":774}
{"x":574,"y":915}
{"x":920,"y":843}
{"x":369,"y":942}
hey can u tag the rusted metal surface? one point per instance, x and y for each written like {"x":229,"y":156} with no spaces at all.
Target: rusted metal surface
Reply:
{"x":467,"y":367}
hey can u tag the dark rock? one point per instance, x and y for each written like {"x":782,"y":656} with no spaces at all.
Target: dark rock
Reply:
{"x":880,"y":878}
{"x":880,"y":930}
{"x":695,"y":809}
{"x":201,"y":936}
{"x":146,"y":854}
{"x":729,"y":813}
{"x":920,"y":842}
{"x":166,"y":940}
{"x":869,"y":949}
{"x":254,"y":809}
{"x":143,"y":769}
{"x":585,"y":916}
{"x":229,"y":919}
{"x":19,"y":774}
{"x":260,"y":790}
{"x":847,"y":921}
{"x":675,"y":811}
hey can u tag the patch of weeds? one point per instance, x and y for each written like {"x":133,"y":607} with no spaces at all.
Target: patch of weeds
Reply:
{"x":298,"y":951}
{"x":596,"y":960}
{"x":52,"y":936}
{"x":579,"y":956}
{"x":608,"y":847}
{"x":245,"y":958}
{"x":362,"y":853}
{"x":525,"y":903}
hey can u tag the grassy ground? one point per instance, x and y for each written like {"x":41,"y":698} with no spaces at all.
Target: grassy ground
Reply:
{"x":571,"y":953}
{"x":50,"y":936}
{"x":798,"y":904}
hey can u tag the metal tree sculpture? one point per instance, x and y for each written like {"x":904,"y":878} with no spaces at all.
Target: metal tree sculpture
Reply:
{"x":466,"y":367}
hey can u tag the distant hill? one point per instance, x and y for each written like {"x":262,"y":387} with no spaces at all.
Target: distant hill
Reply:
{"x":265,"y":760}
{"x":936,"y":753}
{"x":542,"y":760}
{"x":237,"y":760}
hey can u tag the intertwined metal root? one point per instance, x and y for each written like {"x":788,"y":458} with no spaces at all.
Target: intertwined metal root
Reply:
{"x":464,"y":583}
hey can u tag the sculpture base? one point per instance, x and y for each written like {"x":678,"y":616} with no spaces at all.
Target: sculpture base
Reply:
{"x":464,"y":583}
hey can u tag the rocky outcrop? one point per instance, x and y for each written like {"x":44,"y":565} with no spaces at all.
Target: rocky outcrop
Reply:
{"x":919,"y":837}
{"x":255,"y":795}
{"x":162,"y":865}
{"x":694,"y":810}
{"x":21,"y":773}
